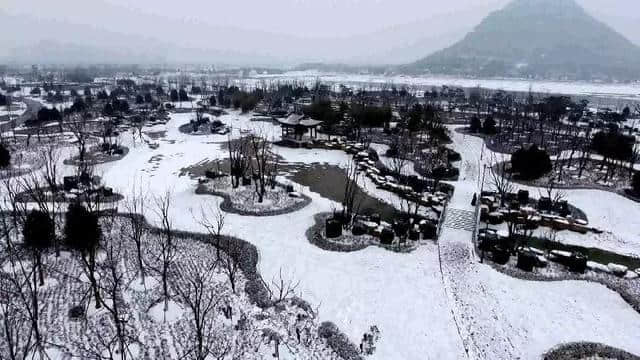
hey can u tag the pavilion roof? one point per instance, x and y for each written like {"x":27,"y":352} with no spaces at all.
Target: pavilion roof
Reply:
{"x":296,"y":119}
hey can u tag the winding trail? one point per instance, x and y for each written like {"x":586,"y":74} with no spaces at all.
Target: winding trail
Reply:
{"x":490,"y":327}
{"x":437,"y":302}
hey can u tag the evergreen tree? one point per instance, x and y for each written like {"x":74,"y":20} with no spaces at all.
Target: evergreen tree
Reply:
{"x":39,"y":234}
{"x":5,"y":156}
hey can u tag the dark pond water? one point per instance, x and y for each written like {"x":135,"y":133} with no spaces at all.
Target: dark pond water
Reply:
{"x":329,"y":181}
{"x":593,"y":254}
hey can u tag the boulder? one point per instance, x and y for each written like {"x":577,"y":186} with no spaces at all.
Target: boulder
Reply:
{"x":597,"y":267}
{"x":617,"y":269}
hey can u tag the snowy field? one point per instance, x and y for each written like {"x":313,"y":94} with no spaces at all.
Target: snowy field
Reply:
{"x":423,"y":310}
{"x":623,"y":91}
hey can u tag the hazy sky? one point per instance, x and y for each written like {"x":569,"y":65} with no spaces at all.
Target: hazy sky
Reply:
{"x":376,"y":31}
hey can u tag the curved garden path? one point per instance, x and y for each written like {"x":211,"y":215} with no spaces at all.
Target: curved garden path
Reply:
{"x":433,"y":303}
{"x":500,"y":317}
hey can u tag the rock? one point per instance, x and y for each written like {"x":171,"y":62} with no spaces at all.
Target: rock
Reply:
{"x":295,"y":194}
{"x":597,"y":267}
{"x":631,"y":275}
{"x":617,"y":269}
{"x":560,"y":253}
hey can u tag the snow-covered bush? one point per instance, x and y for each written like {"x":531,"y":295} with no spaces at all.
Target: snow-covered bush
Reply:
{"x":338,"y":341}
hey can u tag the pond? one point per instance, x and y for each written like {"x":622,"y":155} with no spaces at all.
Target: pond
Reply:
{"x":329,"y":181}
{"x":593,"y":254}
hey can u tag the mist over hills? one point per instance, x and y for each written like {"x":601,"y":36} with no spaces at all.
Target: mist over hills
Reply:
{"x":525,"y":38}
{"x":538,"y":38}
{"x":45,"y":41}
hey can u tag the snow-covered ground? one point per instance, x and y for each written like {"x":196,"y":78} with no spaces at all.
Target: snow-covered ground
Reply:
{"x":422,"y":313}
{"x":501,"y":317}
{"x":627,"y":91}
{"x":17,"y":109}
{"x":616,"y":215}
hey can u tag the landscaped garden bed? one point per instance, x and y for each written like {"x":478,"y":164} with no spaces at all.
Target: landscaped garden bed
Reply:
{"x":545,"y":260}
{"x":338,"y":232}
{"x":100,"y":154}
{"x":588,"y":351}
{"x":278,"y":199}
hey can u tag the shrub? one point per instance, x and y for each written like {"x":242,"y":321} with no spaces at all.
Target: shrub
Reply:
{"x":333,"y":228}
{"x":635,"y":183}
{"x":38,"y":231}
{"x":358,"y":229}
{"x":475,"y":124}
{"x":5,"y":157}
{"x":76,"y":312}
{"x":489,"y":126}
{"x":338,"y":341}
{"x":258,"y":293}
{"x":531,"y":163}
{"x":82,"y":229}
{"x":386,"y":237}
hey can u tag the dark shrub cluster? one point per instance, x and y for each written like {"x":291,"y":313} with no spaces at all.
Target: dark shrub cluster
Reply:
{"x":531,"y":163}
{"x":5,"y":156}
{"x":338,"y":341}
{"x":635,"y":183}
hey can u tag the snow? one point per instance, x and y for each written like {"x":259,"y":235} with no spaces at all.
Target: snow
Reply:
{"x":150,"y":282}
{"x":617,"y":216}
{"x":424,"y":308}
{"x":630,"y":90}
{"x":174,"y":311}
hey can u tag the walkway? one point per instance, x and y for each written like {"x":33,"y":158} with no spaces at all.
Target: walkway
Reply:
{"x":477,"y":314}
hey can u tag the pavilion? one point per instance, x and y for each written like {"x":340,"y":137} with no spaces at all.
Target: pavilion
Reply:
{"x":298,"y":125}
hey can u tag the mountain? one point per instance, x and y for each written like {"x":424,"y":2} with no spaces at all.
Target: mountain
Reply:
{"x":538,"y":38}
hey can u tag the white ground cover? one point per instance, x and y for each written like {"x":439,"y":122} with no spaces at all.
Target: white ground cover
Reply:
{"x":17,"y":109}
{"x":244,"y":198}
{"x":497,"y":317}
{"x":616,"y":215}
{"x":158,"y":332}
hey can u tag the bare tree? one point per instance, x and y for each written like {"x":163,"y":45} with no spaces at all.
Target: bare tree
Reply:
{"x":230,"y":262}
{"x":212,"y":219}
{"x":501,"y":179}
{"x":239,"y":159}
{"x":78,"y":126}
{"x":16,"y":334}
{"x":399,"y":153}
{"x":135,"y":226}
{"x":114,"y":282}
{"x":21,"y":287}
{"x":262,"y":165}
{"x":281,"y":288}
{"x":351,"y":200}
{"x":195,"y":290}
{"x":552,"y":192}
{"x":166,"y":253}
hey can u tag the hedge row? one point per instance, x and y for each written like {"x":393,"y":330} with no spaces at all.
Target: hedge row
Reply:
{"x":583,"y":350}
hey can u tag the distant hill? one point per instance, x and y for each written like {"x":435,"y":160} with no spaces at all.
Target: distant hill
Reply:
{"x":538,"y":38}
